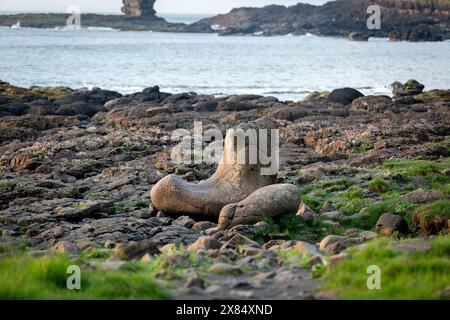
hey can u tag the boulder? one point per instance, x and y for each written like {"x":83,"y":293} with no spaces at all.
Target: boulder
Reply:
{"x":205,"y":243}
{"x":409,"y":88}
{"x":372,"y":104}
{"x":270,"y":201}
{"x":420,"y":196}
{"x":231,"y":183}
{"x":358,"y":36}
{"x":388,"y":223}
{"x":334,"y":244}
{"x":344,"y":95}
{"x":136,"y":250}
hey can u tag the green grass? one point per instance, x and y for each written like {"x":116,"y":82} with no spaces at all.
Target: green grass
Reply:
{"x":419,"y":275}
{"x":364,"y":144}
{"x":379,"y":185}
{"x":416,"y":167}
{"x":45,"y":278}
{"x":95,"y":253}
{"x":4,"y":187}
{"x":434,"y":217}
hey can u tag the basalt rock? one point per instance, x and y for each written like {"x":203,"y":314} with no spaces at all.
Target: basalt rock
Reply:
{"x":231,"y":183}
{"x":270,"y":201}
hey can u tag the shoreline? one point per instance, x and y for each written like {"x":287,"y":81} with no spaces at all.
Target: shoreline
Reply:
{"x":77,"y":169}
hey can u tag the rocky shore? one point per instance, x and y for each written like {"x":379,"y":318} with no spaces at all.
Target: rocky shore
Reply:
{"x":401,"y":20}
{"x":77,"y":168}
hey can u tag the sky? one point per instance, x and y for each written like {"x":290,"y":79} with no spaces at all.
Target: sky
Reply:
{"x":161,"y":6}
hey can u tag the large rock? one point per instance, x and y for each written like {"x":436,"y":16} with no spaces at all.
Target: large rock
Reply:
{"x":270,"y":201}
{"x":344,"y":95}
{"x":136,"y":250}
{"x":335,"y":244}
{"x":231,"y":183}
{"x":388,"y":223}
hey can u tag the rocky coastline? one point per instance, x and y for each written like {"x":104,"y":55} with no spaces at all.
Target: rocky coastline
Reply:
{"x":402,"y":20}
{"x":77,"y":168}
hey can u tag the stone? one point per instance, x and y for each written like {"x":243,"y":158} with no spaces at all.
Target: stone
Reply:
{"x":303,"y":248}
{"x":203,"y":226}
{"x":335,"y":244}
{"x":225,"y":268}
{"x":358,"y":36}
{"x":205,"y":243}
{"x":73,"y":210}
{"x":239,"y":240}
{"x":327,"y":207}
{"x":195,"y":282}
{"x":135,"y":250}
{"x":388,"y":224}
{"x":185,"y":221}
{"x":368,"y":235}
{"x":66,"y":247}
{"x":420,"y":196}
{"x":270,"y":201}
{"x":409,"y":88}
{"x":231,"y":183}
{"x":332,"y":215}
{"x":306,"y":213}
{"x":344,"y":96}
{"x":336,"y":259}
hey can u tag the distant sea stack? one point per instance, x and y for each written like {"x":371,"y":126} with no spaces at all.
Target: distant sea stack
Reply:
{"x":138,"y":8}
{"x":409,"y":20}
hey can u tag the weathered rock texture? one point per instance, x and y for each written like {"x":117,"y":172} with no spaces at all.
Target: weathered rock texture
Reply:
{"x":270,"y":201}
{"x":232,"y":182}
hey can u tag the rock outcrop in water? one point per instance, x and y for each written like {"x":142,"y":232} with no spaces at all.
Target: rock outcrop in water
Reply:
{"x":138,"y":8}
{"x":410,"y":20}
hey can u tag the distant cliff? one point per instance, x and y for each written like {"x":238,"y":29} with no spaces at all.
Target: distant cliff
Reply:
{"x":412,"y":20}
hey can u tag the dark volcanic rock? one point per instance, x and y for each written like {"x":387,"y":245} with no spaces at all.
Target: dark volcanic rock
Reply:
{"x":138,"y":8}
{"x":411,"y":20}
{"x":344,"y":96}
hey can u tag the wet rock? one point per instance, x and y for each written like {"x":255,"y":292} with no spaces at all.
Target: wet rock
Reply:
{"x":205,"y":243}
{"x":388,"y":224}
{"x":344,"y":96}
{"x":358,"y":36}
{"x":409,"y":88}
{"x":136,"y":250}
{"x":270,"y":201}
{"x":335,"y":244}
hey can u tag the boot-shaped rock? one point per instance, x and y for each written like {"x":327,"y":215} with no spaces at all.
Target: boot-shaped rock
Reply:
{"x":267,"y":202}
{"x":234,"y":180}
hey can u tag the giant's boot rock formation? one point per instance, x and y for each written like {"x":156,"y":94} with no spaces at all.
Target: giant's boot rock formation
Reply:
{"x":232,"y":181}
{"x":138,"y":8}
{"x":270,"y":201}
